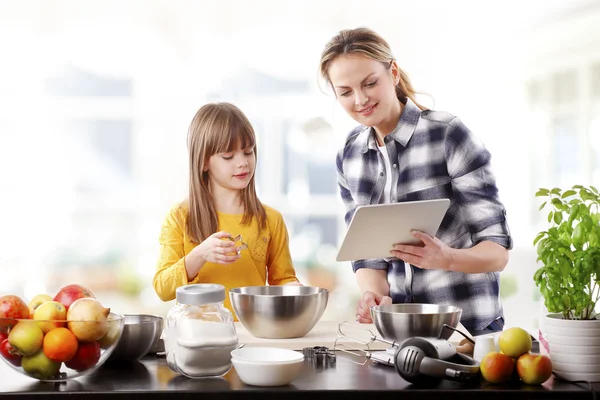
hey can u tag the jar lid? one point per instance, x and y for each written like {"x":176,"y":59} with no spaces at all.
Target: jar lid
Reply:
{"x":200,"y":293}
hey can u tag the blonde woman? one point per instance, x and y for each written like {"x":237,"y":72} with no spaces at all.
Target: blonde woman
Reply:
{"x":222,"y":204}
{"x":403,"y":152}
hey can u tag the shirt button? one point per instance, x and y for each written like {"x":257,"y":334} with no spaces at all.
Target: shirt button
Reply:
{"x":381,"y":174}
{"x":395,"y":166}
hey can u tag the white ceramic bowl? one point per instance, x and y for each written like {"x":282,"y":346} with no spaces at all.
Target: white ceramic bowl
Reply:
{"x":267,"y":366}
{"x":558,"y":357}
{"x":271,"y":355}
{"x":266,"y":374}
{"x":576,"y":376}
{"x":571,"y":349}
{"x":570,"y":340}
{"x":560,"y":366}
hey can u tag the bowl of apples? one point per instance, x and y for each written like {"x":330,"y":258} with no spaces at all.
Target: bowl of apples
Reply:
{"x":53,"y":339}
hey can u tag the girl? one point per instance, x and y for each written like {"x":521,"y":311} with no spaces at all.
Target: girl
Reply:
{"x":403,"y":152}
{"x":222,"y":204}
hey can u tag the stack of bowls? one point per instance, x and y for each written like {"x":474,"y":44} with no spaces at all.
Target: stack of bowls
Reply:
{"x":266,"y":366}
{"x":574,"y":347}
{"x":141,"y":332}
{"x":279,"y":312}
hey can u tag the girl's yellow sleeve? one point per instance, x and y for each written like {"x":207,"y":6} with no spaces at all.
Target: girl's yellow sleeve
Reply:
{"x":279,"y":261}
{"x":170,"y":270}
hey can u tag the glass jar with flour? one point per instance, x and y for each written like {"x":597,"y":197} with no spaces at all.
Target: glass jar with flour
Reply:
{"x":199,"y":332}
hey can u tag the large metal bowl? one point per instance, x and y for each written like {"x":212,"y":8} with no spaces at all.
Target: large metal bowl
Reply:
{"x":140,"y":334}
{"x":279,"y":312}
{"x":401,"y":321}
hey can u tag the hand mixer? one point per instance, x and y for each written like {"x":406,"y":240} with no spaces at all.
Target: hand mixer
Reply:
{"x":417,"y":359}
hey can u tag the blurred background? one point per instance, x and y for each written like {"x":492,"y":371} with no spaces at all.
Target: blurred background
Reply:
{"x":96,"y":98}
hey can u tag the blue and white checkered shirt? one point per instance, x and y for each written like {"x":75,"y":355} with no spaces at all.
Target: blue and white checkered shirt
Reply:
{"x":433,"y":155}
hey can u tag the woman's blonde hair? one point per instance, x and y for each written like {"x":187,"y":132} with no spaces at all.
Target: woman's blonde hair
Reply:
{"x":368,"y":43}
{"x":217,"y":128}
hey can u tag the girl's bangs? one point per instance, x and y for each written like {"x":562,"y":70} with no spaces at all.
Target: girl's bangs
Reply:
{"x":236,"y":136}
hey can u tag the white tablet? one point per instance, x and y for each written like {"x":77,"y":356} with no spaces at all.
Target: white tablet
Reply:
{"x":375,"y":229}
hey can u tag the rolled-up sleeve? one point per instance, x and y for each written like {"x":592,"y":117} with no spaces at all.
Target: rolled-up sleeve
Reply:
{"x":474,"y":184}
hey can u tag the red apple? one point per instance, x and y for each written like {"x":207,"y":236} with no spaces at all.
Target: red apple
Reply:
{"x":9,"y":353}
{"x":86,"y":357}
{"x":534,"y":369}
{"x":497,"y":367}
{"x":12,"y":306}
{"x":68,"y":294}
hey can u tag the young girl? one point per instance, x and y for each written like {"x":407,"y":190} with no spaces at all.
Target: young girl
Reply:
{"x":222,"y":204}
{"x":404,"y":152}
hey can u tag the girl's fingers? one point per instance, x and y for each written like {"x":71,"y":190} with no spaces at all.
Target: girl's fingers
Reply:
{"x":221,"y":234}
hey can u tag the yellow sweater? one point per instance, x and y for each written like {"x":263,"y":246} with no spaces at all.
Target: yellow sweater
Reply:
{"x":266,"y":259}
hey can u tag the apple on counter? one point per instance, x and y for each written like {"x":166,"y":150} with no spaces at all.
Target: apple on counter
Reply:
{"x":514,"y":356}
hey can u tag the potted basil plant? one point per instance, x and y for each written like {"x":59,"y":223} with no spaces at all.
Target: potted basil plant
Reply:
{"x":569,"y":279}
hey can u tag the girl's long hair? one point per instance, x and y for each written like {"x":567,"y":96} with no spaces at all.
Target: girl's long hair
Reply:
{"x":368,"y":43}
{"x":217,"y":128}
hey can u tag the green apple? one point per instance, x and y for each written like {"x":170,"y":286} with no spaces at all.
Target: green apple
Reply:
{"x":39,"y":366}
{"x":26,"y":336}
{"x":51,"y":314}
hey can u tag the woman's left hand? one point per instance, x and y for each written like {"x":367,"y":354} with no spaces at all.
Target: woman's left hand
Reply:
{"x":434,"y":254}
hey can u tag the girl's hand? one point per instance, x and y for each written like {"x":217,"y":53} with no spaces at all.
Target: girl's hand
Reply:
{"x":434,"y":254}
{"x":295,"y":283}
{"x":216,"y":250}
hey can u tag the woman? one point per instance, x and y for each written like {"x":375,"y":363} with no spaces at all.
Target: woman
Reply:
{"x":403,"y":152}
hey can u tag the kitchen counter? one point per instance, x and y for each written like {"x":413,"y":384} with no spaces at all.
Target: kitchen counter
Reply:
{"x":151,"y":378}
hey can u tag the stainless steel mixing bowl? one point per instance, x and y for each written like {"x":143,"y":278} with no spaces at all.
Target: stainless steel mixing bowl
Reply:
{"x":401,"y":321}
{"x":279,"y":312}
{"x":140,"y":334}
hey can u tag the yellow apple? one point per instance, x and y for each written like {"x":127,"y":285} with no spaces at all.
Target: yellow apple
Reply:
{"x":26,"y":336}
{"x":514,"y":341}
{"x":37,"y":301}
{"x":50,"y":314}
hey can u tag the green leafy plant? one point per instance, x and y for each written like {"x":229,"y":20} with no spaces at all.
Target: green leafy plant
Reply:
{"x":569,"y":250}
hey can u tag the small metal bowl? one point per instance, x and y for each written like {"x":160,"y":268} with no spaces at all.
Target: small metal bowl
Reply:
{"x":402,"y":321}
{"x":140,"y":334}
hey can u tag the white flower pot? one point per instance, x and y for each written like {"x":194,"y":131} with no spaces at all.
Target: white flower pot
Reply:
{"x":574,"y":347}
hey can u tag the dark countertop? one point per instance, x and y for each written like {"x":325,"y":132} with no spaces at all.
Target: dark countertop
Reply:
{"x":151,"y":378}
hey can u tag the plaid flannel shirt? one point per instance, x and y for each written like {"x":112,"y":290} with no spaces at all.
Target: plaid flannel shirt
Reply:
{"x":433,"y":155}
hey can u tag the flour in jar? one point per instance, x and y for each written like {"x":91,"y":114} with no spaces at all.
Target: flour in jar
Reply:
{"x":198,"y":348}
